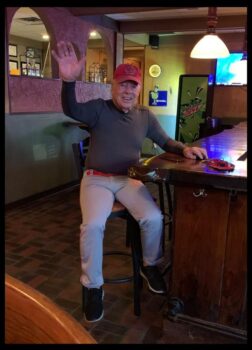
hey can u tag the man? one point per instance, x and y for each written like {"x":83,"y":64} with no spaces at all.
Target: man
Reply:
{"x":118,"y":128}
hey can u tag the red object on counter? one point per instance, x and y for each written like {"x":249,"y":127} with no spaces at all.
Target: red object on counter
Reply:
{"x":220,"y":164}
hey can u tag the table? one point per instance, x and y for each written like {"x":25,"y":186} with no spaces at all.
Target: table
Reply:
{"x":209,"y":248}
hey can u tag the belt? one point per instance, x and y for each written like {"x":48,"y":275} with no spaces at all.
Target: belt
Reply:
{"x":99,"y":173}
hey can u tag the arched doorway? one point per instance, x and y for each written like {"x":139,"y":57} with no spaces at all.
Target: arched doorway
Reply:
{"x":97,"y":61}
{"x":29,"y":45}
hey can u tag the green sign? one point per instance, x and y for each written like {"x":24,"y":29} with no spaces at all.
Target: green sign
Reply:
{"x":192,"y":102}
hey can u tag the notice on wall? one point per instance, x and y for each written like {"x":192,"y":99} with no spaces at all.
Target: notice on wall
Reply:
{"x":157,"y":98}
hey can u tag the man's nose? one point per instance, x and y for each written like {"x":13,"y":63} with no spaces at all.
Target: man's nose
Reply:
{"x":128,"y":88}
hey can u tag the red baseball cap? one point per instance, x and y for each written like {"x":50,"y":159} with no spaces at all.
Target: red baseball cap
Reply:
{"x":127,"y":72}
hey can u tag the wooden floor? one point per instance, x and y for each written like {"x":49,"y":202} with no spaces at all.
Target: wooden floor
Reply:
{"x":42,"y":249}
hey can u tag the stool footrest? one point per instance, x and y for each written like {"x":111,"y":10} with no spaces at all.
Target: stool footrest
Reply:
{"x":118,"y":279}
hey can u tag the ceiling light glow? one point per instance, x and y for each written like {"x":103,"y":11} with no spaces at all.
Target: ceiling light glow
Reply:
{"x":45,"y":37}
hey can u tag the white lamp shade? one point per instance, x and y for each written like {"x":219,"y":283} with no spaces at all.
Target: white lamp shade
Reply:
{"x":210,"y":46}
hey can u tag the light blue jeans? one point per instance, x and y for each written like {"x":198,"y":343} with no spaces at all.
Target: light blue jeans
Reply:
{"x":97,"y":195}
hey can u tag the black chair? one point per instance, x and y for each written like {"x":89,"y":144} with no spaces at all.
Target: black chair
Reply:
{"x":132,"y":232}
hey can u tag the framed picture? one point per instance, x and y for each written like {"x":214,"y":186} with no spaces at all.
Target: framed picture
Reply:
{"x":13,"y":65}
{"x":13,"y":50}
{"x":30,"y":62}
{"x":37,"y":68}
{"x":37,"y":52}
{"x":23,"y":68}
{"x":29,"y":52}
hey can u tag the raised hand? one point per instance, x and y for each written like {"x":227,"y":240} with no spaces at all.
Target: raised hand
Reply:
{"x":69,"y":66}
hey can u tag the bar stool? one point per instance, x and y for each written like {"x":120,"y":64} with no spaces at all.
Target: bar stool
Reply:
{"x":168,"y":214}
{"x":132,"y":232}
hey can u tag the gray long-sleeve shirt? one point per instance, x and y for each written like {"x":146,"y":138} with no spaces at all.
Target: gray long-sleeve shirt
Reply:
{"x":116,"y":136}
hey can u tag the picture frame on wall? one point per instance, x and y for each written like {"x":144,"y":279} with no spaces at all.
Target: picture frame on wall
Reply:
{"x":13,"y":65}
{"x":29,"y":52}
{"x":13,"y":50}
{"x":30,"y":62}
{"x":37,"y":68}
{"x":23,"y":68}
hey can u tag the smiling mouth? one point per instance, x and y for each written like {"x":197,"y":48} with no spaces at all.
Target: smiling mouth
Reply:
{"x":126,"y":99}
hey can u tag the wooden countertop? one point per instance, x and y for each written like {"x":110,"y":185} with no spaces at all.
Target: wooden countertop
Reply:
{"x":228,"y":145}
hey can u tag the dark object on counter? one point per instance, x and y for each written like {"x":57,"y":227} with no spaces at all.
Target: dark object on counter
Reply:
{"x":211,"y":126}
{"x":213,"y":122}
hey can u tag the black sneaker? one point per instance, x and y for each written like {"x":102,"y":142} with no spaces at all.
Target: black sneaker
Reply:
{"x":154,"y":279}
{"x":92,"y":304}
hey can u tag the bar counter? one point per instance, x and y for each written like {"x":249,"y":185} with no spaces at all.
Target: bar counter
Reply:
{"x":230,"y":145}
{"x":209,"y":240}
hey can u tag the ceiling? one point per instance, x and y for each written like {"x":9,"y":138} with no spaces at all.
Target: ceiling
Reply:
{"x":181,"y":12}
{"x":26,"y":23}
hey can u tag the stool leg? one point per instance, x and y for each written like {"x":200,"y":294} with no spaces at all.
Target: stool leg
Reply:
{"x":162,"y":207}
{"x":83,"y":298}
{"x":136,"y":247}
{"x":170,"y":207}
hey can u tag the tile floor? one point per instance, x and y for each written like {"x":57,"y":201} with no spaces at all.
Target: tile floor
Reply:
{"x":42,"y":249}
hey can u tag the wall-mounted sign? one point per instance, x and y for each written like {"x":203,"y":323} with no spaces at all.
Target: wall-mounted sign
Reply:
{"x":155,"y":70}
{"x":192,"y":106}
{"x":157,"y":98}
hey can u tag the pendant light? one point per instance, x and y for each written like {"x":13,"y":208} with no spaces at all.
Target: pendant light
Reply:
{"x":210,"y":46}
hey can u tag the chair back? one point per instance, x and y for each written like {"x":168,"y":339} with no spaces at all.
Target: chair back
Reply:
{"x":32,"y":318}
{"x":80,"y":154}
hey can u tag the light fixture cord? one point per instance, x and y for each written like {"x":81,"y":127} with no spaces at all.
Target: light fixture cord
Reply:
{"x":212,"y":19}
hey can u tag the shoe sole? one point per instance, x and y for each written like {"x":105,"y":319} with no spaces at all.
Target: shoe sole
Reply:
{"x":150,"y":287}
{"x":97,"y":319}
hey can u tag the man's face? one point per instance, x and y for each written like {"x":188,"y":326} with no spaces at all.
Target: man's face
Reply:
{"x":125,"y":94}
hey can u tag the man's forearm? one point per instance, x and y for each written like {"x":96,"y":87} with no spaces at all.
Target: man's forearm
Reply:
{"x":68,"y":98}
{"x":174,"y":146}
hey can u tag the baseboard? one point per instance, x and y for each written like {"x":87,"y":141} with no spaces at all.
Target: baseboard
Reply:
{"x":43,"y":194}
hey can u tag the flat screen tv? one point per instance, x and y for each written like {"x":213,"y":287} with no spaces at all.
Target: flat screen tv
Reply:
{"x":231,"y":71}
